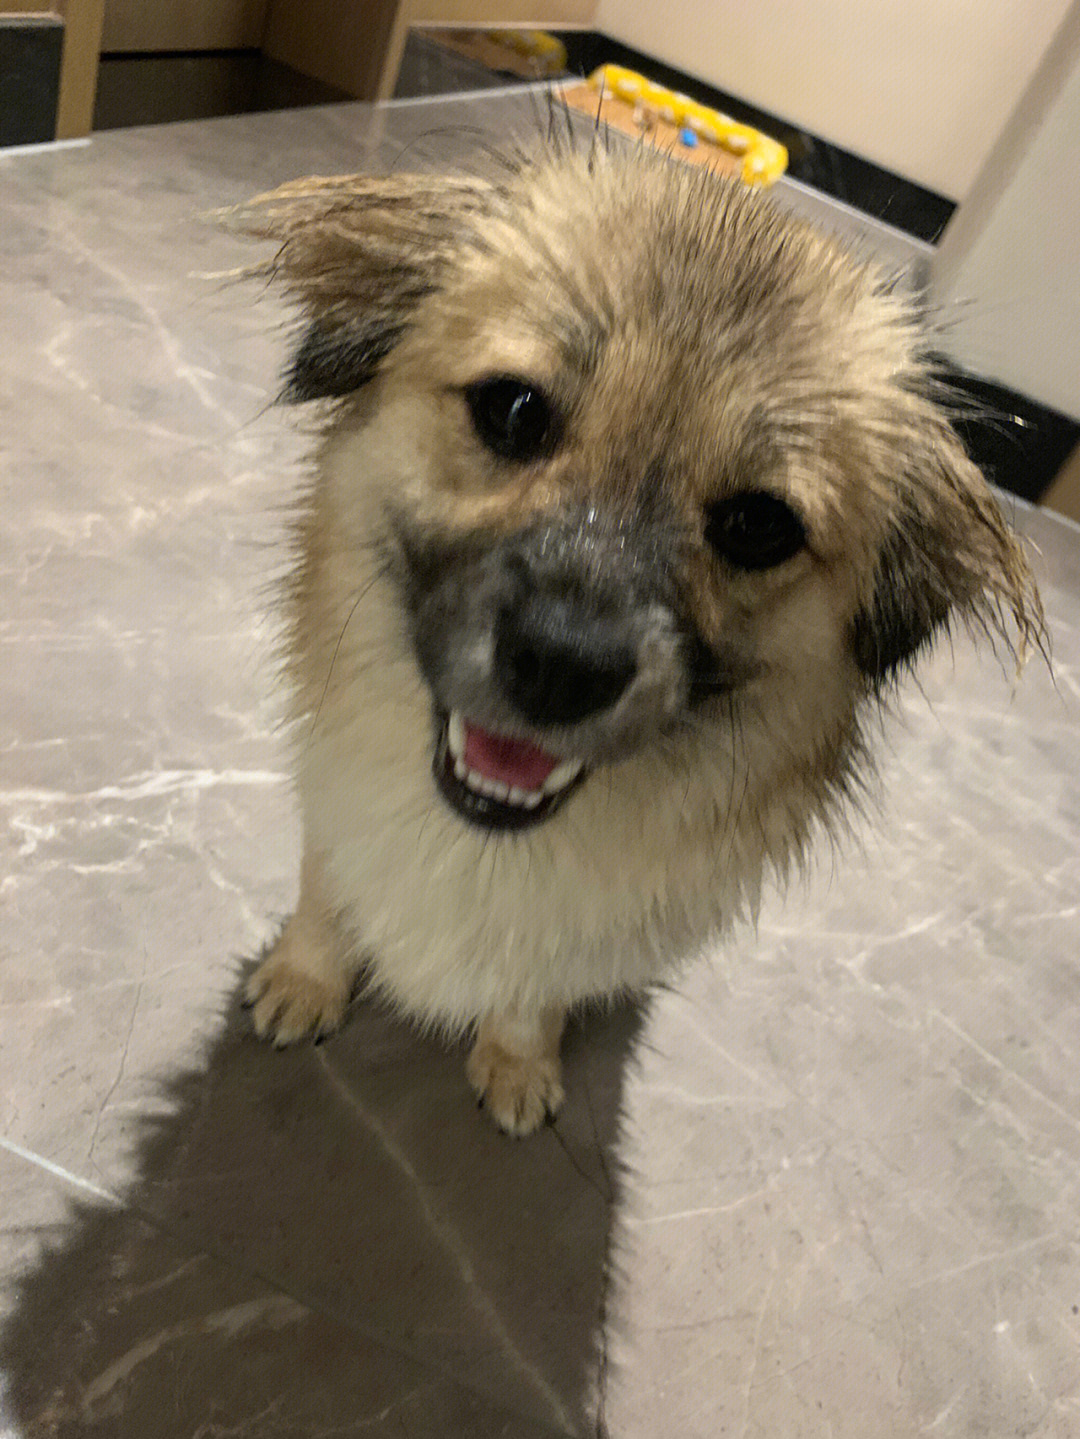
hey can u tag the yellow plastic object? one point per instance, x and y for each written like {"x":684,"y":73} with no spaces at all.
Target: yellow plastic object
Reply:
{"x":548,"y":52}
{"x":763,"y":159}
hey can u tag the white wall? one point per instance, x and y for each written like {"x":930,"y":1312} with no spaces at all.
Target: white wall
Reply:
{"x":1006,"y":277}
{"x":922,"y":87}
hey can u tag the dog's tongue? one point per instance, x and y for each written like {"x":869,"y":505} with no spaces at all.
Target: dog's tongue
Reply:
{"x":510,"y":761}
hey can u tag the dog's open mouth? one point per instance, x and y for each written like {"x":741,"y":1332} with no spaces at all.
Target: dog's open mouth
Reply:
{"x":498,"y":782}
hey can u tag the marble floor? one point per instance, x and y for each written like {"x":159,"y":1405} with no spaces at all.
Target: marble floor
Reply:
{"x":826,"y":1187}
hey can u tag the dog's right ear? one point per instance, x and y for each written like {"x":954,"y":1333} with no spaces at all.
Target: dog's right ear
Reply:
{"x":949,"y":554}
{"x":358,"y":254}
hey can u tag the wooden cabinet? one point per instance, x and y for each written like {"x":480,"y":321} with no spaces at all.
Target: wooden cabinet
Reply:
{"x":135,"y":25}
{"x":357,"y":44}
{"x":354,"y":45}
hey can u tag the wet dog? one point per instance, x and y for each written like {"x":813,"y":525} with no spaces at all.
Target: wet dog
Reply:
{"x":633,"y":498}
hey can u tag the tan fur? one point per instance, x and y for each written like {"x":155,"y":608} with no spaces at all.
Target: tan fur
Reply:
{"x":699,"y":340}
{"x":514,"y":1068}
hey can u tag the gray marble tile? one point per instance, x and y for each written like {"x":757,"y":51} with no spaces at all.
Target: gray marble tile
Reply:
{"x":113,"y":1329}
{"x":35,"y":1212}
{"x":842,"y":1192}
{"x":358,"y":1177}
{"x":856,"y":1138}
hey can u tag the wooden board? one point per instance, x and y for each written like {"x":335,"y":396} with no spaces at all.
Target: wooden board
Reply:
{"x":79,"y":67}
{"x":354,"y":45}
{"x":620,"y":116}
{"x":534,"y":14}
{"x":1064,"y":494}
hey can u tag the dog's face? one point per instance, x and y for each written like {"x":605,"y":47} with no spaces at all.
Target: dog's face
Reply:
{"x":646,"y":455}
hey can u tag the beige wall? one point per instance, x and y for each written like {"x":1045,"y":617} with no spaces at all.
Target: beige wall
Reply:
{"x":1007,"y":273}
{"x":919,"y":86}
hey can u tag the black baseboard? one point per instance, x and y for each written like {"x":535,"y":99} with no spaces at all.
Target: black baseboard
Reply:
{"x":30,"y":49}
{"x":1018,"y":444}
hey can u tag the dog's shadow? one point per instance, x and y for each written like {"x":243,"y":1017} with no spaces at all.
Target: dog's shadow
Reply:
{"x":329,"y":1235}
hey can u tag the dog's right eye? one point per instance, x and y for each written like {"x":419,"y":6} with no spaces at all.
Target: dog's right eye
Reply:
{"x":514,"y":418}
{"x":754,"y":530}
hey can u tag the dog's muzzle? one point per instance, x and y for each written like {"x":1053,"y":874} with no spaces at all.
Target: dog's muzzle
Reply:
{"x":545,"y":652}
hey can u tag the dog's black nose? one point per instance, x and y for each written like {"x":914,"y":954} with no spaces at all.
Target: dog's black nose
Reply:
{"x":558,"y":666}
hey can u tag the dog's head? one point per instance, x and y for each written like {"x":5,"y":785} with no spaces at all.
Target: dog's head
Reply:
{"x":645,"y":454}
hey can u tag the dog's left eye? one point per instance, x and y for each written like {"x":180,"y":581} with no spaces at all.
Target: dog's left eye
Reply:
{"x":754,"y":530}
{"x":514,"y":418}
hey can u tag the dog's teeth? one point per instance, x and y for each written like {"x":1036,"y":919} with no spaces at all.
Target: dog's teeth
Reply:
{"x":480,"y":784}
{"x":561,"y":776}
{"x":455,"y":736}
{"x":496,"y":789}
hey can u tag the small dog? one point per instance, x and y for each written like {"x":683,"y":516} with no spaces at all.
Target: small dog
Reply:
{"x":632,"y":502}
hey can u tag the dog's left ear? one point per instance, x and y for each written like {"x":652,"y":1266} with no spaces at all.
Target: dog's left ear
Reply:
{"x":948,"y":554}
{"x":358,"y":254}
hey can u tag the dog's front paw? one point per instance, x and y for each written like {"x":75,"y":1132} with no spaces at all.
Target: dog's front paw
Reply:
{"x":519,"y":1091}
{"x":289,"y":999}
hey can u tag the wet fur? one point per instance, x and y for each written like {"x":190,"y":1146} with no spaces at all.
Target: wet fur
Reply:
{"x":700,"y":340}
